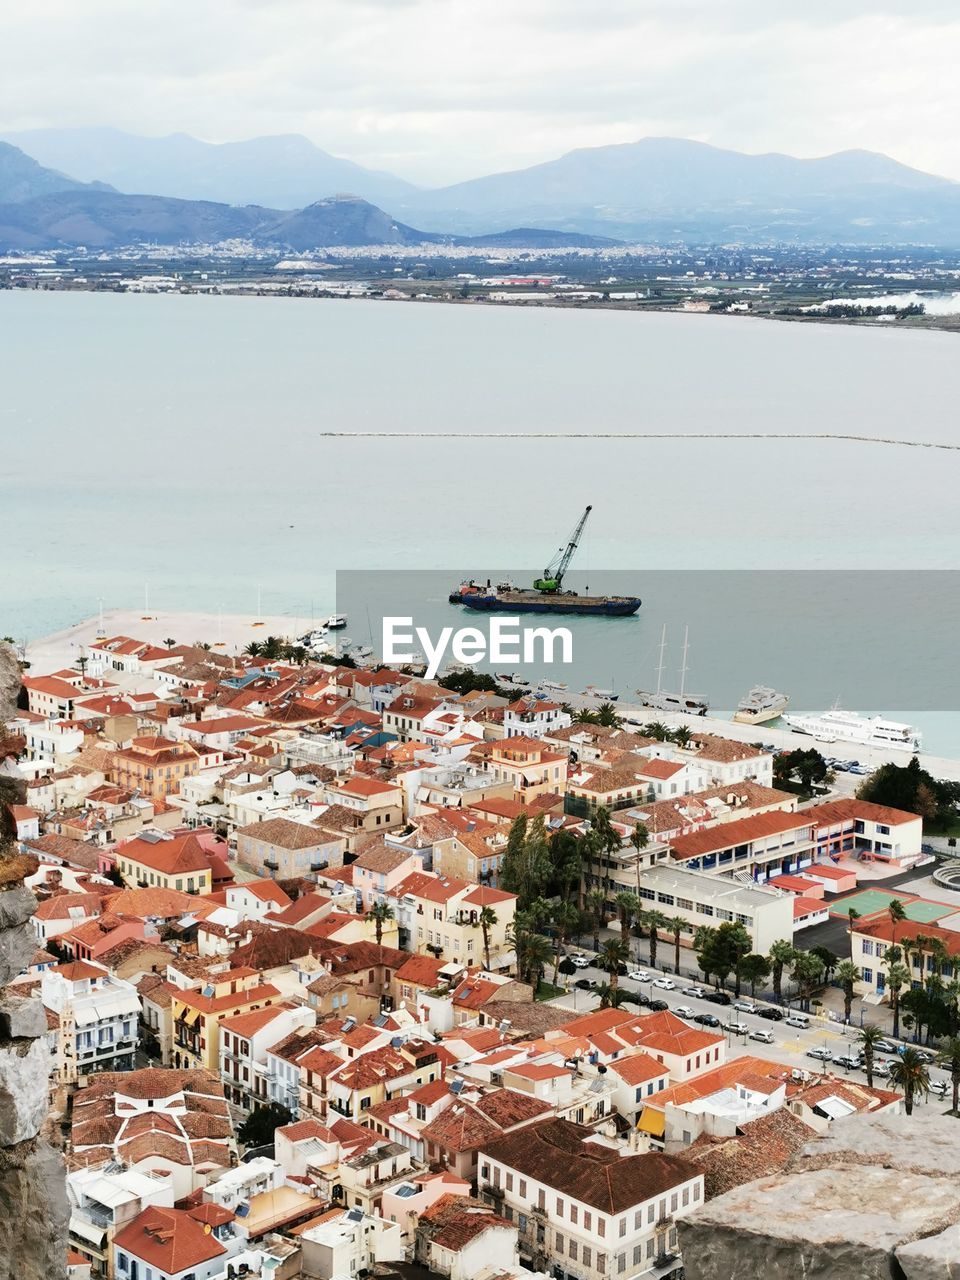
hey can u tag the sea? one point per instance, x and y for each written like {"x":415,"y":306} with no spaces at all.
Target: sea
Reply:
{"x":185,"y":445}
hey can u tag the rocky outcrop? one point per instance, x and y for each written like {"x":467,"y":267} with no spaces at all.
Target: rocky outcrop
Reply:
{"x":33,"y":1204}
{"x":878,"y":1197}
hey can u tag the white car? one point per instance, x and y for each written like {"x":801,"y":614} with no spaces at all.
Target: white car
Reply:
{"x":665,"y":984}
{"x":694,"y":991}
{"x":744,"y":1006}
{"x":683,"y":1011}
{"x":638,"y":975}
{"x":765,"y":1037}
{"x":580,"y":962}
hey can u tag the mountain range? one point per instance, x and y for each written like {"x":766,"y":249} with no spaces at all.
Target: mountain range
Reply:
{"x":279,"y":190}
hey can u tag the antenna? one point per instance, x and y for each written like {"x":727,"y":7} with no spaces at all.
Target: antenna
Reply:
{"x":683,"y":668}
{"x":663,"y":646}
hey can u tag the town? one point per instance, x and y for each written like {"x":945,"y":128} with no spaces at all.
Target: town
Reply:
{"x":325,"y":970}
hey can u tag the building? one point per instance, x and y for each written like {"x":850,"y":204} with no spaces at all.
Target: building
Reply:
{"x":460,"y":1238}
{"x":531,"y":768}
{"x":703,"y":899}
{"x":154,"y":766}
{"x":926,"y":949}
{"x":197,"y":1014}
{"x":533,"y":716}
{"x":244,"y":1041}
{"x":868,"y":832}
{"x":585,"y":1205}
{"x":442,"y":917}
{"x":98,"y":1019}
{"x":282,"y":849}
{"x":177,"y":1244}
{"x":179,"y":863}
{"x":380,"y":867}
{"x":763,"y":846}
{"x":105,"y":1200}
{"x":349,"y":1242}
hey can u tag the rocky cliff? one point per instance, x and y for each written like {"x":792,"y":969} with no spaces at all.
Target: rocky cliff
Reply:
{"x":33,"y":1204}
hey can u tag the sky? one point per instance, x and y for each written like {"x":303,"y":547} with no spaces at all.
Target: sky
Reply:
{"x":437,"y":91}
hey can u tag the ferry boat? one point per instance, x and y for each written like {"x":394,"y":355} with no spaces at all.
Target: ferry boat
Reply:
{"x":661,"y":700}
{"x":837,"y":725}
{"x":760,"y":705}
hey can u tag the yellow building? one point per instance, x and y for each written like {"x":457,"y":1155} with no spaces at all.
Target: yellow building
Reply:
{"x":153,"y":766}
{"x":440,"y":916}
{"x":180,"y":863}
{"x":197,"y":1013}
{"x":531,"y":768}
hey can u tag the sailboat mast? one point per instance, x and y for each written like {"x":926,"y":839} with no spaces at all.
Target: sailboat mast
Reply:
{"x":663,"y":645}
{"x":683,"y":667}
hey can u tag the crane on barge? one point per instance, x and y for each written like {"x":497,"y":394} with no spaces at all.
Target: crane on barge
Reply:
{"x":552,"y":579}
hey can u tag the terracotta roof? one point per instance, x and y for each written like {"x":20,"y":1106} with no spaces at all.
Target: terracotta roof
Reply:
{"x":452,"y":1221}
{"x":248,"y":1024}
{"x":557,"y":1153}
{"x":155,"y":901}
{"x":760,"y":1148}
{"x":182,"y":855}
{"x":283,"y":833}
{"x":169,"y":1239}
{"x":744,"y":830}
{"x":850,"y":809}
{"x":637,"y":1068}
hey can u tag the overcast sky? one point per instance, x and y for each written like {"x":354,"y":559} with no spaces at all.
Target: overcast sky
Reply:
{"x":440,"y":90}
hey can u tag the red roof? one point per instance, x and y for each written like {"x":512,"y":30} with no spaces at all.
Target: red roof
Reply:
{"x":743,"y":831}
{"x":807,"y":906}
{"x":170,"y":1240}
{"x":170,"y":857}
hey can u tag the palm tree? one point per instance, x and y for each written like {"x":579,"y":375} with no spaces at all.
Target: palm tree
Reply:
{"x":950,"y":1057}
{"x":627,"y":904}
{"x":169,"y":642}
{"x":654,"y":920}
{"x":870,"y":1035}
{"x":536,"y":956}
{"x":898,"y":975}
{"x":676,"y":925}
{"x":613,"y":954}
{"x":380,"y":913}
{"x":848,"y":975}
{"x":639,"y":838}
{"x":897,"y":913}
{"x":909,"y":1071}
{"x":682,"y":736}
{"x":596,"y":901}
{"x":781,"y":953}
{"x":607,"y":715}
{"x":610,"y":995}
{"x":485,"y":922}
{"x":656,"y":730}
{"x":253,"y":649}
{"x":81,"y":663}
{"x":853,"y":915}
{"x":566,"y":917}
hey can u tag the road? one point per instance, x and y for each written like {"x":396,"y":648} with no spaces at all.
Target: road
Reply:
{"x":790,"y":1046}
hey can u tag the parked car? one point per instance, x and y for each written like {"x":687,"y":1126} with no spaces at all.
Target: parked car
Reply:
{"x":638,"y":997}
{"x":797,"y":1020}
{"x":771,"y":1012}
{"x":744,"y":1006}
{"x":707,"y":1019}
{"x":684,"y":1011}
{"x":639,"y":975}
{"x":583,"y":984}
{"x":884,"y":1046}
{"x":698,"y":992}
{"x":717,"y":997}
{"x":765,"y":1037}
{"x":665,"y":984}
{"x":658,"y":1006}
{"x":848,"y":1061}
{"x":736,"y":1028}
{"x":580,"y":962}
{"x":821,"y":1054}
{"x":622,"y":970}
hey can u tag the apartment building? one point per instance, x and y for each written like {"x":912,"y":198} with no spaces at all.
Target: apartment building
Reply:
{"x":98,"y":1019}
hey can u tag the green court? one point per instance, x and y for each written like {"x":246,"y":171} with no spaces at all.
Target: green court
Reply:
{"x":869,"y":901}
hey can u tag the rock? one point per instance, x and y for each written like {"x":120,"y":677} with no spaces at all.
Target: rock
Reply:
{"x":34,"y":1216}
{"x":17,"y":948}
{"x":934,"y":1258}
{"x":21,"y":1019}
{"x":24,"y":1073}
{"x":16,"y":907}
{"x":9,"y":681}
{"x":925,"y":1142}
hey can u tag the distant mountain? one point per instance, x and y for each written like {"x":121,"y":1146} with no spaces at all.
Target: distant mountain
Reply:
{"x":282,"y":172}
{"x":22,"y":178}
{"x":676,"y":189}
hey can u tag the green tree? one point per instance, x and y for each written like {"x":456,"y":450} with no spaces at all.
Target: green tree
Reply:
{"x":755,"y":969}
{"x":485,"y":921}
{"x":682,"y":736}
{"x":613,"y":953}
{"x":627,"y":904}
{"x":949,"y":1056}
{"x":380,"y":913}
{"x":526,"y":866}
{"x":653,"y":921}
{"x":853,"y":915}
{"x":848,"y":975}
{"x":607,"y":716}
{"x":781,"y":953}
{"x":869,"y":1037}
{"x":596,"y":904}
{"x":909,"y":1071}
{"x":677,"y":925}
{"x":659,"y":732}
{"x":897,"y":913}
{"x":258,"y":1128}
{"x":611,"y":996}
{"x":605,"y":840}
{"x":898,"y":976}
{"x":807,"y":973}
{"x":566,"y":917}
{"x":639,"y":838}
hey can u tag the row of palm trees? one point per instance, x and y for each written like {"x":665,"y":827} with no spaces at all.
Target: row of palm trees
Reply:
{"x":909,"y":1071}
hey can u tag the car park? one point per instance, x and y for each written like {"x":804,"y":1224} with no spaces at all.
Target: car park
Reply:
{"x":697,"y":992}
{"x":659,"y":1006}
{"x":639,"y":975}
{"x":717,"y":997}
{"x":821,"y":1054}
{"x":771,"y":1013}
{"x":683,"y":1011}
{"x":744,"y":1006}
{"x":736,"y":1028}
{"x":580,"y":962}
{"x":764,"y":1036}
{"x":707,"y":1019}
{"x":665,"y":984}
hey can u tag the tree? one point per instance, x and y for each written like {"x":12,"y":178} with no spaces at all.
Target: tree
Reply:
{"x":566,"y":917}
{"x":755,"y":969}
{"x":607,"y":716}
{"x":807,"y":973}
{"x":613,"y":953}
{"x":605,"y":840}
{"x":676,"y":925}
{"x":848,"y":975}
{"x":869,"y":1037}
{"x":799,"y":770}
{"x":897,"y":913}
{"x":82,"y":663}
{"x":853,"y":915}
{"x":526,"y":866}
{"x":611,"y":996}
{"x":379,"y":913}
{"x":260,"y":1125}
{"x":898,"y":976}
{"x":781,"y":953}
{"x":656,"y":730}
{"x":532,"y":949}
{"x":485,"y":922}
{"x":653,"y":921}
{"x":596,"y":902}
{"x":949,"y":1056}
{"x":909,"y":1071}
{"x":628,"y":904}
{"x":830,"y":960}
{"x":169,"y":642}
{"x":254,"y":649}
{"x":639,"y":838}
{"x":682,"y":736}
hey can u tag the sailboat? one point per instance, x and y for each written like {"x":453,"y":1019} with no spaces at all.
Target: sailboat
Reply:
{"x":660,"y":699}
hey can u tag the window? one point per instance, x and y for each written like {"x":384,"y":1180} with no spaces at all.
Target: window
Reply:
{"x":558,"y":1243}
{"x":623,"y":1227}
{"x":573,"y":1250}
{"x":587,"y":1220}
{"x":868,"y":975}
{"x":587,"y":1256}
{"x":559,"y":1208}
{"x":574,"y":1213}
{"x":867,"y":948}
{"x":601,"y":1226}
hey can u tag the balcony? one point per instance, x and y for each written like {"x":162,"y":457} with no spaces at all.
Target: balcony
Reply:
{"x":269,"y":865}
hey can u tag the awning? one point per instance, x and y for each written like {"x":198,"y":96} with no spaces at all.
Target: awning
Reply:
{"x":652,"y":1122}
{"x":89,"y":1231}
{"x":874,"y":997}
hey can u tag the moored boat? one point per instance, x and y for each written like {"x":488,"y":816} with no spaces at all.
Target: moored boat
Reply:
{"x":760,"y":705}
{"x":837,"y":725}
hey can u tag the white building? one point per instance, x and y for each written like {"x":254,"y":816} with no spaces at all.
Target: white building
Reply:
{"x":98,"y":1019}
{"x":704,"y":899}
{"x":245,"y":1039}
{"x":349,"y":1245}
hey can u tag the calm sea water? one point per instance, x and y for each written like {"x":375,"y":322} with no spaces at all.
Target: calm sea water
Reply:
{"x":175,"y":441}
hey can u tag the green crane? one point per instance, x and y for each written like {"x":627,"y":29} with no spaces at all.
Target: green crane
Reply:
{"x":552,"y":579}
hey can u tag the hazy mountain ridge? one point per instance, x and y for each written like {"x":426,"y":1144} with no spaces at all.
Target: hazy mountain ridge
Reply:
{"x":22,"y":178}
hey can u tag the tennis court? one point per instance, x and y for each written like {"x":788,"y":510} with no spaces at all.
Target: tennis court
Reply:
{"x":869,"y":901}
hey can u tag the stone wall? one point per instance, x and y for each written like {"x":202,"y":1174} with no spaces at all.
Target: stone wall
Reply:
{"x":34,"y":1216}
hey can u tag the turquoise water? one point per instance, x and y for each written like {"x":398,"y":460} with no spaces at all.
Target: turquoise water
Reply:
{"x":174,"y":440}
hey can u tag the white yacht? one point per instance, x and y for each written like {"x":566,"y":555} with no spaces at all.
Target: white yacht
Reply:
{"x":837,"y":725}
{"x":760,"y":705}
{"x":689,"y":703}
{"x":336,"y":622}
